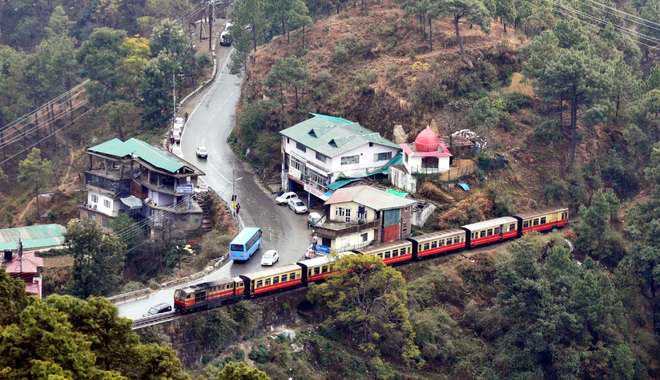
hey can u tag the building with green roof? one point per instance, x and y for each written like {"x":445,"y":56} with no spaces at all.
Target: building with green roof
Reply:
{"x":143,"y":181}
{"x":323,"y":149}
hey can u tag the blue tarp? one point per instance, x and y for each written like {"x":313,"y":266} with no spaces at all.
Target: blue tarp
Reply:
{"x":464,"y":186}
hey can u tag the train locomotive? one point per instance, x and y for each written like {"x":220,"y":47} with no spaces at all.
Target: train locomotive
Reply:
{"x":211,"y":294}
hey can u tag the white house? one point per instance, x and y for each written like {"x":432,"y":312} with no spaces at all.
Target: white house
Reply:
{"x":357,"y":216}
{"x":322,"y":149}
{"x":427,"y":155}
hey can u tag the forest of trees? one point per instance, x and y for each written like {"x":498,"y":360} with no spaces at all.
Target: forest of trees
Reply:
{"x":130,"y":50}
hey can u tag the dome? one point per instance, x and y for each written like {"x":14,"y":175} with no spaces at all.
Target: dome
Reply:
{"x":427,"y":141}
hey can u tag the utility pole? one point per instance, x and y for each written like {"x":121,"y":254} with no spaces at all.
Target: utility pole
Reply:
{"x":173,"y":95}
{"x":211,"y":2}
{"x":20,"y":255}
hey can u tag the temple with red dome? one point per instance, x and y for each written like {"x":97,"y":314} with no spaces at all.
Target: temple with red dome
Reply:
{"x":428,"y":154}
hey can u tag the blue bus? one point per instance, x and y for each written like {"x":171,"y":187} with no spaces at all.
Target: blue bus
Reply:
{"x":245,"y":244}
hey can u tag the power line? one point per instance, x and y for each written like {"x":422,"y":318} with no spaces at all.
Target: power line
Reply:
{"x":627,"y":14}
{"x":45,"y":138}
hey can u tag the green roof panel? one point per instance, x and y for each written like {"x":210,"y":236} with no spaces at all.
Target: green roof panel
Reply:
{"x":38,"y":236}
{"x":332,"y":136}
{"x":148,"y":153}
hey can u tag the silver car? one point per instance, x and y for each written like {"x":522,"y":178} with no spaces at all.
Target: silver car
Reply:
{"x":297,"y":206}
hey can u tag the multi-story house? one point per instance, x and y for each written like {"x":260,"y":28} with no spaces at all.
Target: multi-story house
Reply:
{"x":358,"y":216}
{"x":144,"y":181}
{"x":322,"y":149}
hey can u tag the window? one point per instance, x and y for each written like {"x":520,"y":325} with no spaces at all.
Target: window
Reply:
{"x":312,"y":133}
{"x":259,"y":284}
{"x":441,"y":242}
{"x":339,"y":211}
{"x":365,"y":236}
{"x":457,"y":240}
{"x":489,"y":232}
{"x":498,"y":230}
{"x":267,"y":282}
{"x":543,"y":220}
{"x":482,"y":234}
{"x":348,"y":216}
{"x":317,"y":270}
{"x":426,"y":246}
{"x":387,"y":255}
{"x":293,"y":276}
{"x":434,"y":244}
{"x":512,"y":227}
{"x":384,"y":156}
{"x":107,"y":203}
{"x":309,"y":271}
{"x":474,"y":235}
{"x":526,"y":224}
{"x":350,"y":160}
{"x":380,"y":254}
{"x":276,"y":280}
{"x":564,"y":216}
{"x":321,"y":157}
{"x":285,"y":278}
{"x":324,"y":269}
{"x":536,"y":222}
{"x":297,"y":164}
{"x":301,"y":147}
{"x":94,"y":198}
{"x":395,"y":252}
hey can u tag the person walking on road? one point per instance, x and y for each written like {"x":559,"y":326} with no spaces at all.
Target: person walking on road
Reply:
{"x":238,"y":208}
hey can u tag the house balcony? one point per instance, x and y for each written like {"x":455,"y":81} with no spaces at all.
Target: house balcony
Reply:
{"x":113,"y":184}
{"x":180,"y":208}
{"x":332,"y":230}
{"x":94,"y":208}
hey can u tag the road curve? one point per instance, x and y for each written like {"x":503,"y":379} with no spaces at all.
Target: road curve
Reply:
{"x":210,"y":124}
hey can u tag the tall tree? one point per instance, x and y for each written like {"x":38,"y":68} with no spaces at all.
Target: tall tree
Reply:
{"x":13,"y":299}
{"x":366,"y":305}
{"x":474,"y":11}
{"x":98,"y":259}
{"x":156,"y":90}
{"x":249,"y":24}
{"x":240,"y":371}
{"x":36,"y":173}
{"x":101,"y":55}
{"x":290,"y":72}
{"x":506,"y":11}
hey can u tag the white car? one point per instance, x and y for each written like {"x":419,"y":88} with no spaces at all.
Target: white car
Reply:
{"x":201,"y":152}
{"x":157,"y":309}
{"x":297,"y":206}
{"x":270,"y":257}
{"x":313,"y":218}
{"x":284,"y":198}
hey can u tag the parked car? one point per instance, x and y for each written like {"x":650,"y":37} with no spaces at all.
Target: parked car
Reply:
{"x":270,"y":257}
{"x":202,"y":152}
{"x":225,"y":36}
{"x":284,"y":198}
{"x":314,"y":218}
{"x":158,"y":309}
{"x":297,"y":206}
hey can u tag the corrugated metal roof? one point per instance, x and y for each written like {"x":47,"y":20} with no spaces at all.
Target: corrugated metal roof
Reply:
{"x":437,"y":235}
{"x":273,"y":271}
{"x":370,"y":197}
{"x":150,"y":154}
{"x":38,"y":236}
{"x":490,"y":223}
{"x":332,"y":136}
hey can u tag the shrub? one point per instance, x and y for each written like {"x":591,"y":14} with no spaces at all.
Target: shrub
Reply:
{"x":429,"y":91}
{"x":549,"y":131}
{"x":489,"y":111}
{"x":350,"y":48}
{"x":515,"y":101}
{"x":555,"y":191}
{"x":260,"y":354}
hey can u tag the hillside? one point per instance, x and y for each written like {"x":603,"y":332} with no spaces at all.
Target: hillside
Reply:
{"x":377,"y":69}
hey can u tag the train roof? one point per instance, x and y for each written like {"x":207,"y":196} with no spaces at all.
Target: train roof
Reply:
{"x":531,"y":214}
{"x":490,"y":223}
{"x":206,"y":284}
{"x":272,"y":271}
{"x":322,"y":260}
{"x":377,"y":247}
{"x":439,"y":234}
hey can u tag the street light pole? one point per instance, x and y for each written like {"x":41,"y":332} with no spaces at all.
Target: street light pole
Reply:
{"x":173,"y":94}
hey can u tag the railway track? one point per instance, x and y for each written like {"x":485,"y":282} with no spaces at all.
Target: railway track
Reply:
{"x":155,"y":320}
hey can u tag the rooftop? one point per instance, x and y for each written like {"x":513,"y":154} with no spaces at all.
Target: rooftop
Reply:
{"x":134,"y":148}
{"x":370,"y":197}
{"x":31,"y":263}
{"x":436,"y":235}
{"x":272,"y":271}
{"x":332,"y":136}
{"x":38,"y":236}
{"x":490,"y":223}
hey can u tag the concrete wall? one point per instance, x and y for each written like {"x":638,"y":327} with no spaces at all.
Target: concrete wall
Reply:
{"x":333,"y":217}
{"x":353,"y":241}
{"x":403,"y":180}
{"x":104,"y":204}
{"x":414,"y":165}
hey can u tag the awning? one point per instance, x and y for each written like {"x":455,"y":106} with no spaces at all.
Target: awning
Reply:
{"x":464,"y":186}
{"x":397,"y":193}
{"x":132,"y":202}
{"x":341,"y":183}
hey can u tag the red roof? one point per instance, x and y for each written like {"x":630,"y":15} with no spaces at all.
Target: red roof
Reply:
{"x":427,"y":144}
{"x":31,"y":263}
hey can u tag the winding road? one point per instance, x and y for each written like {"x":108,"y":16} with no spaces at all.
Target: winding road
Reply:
{"x":210,"y":124}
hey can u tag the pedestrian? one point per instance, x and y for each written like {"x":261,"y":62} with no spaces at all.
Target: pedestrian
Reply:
{"x":238,"y":208}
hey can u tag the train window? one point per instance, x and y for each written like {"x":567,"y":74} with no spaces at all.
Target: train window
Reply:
{"x":267,"y":282}
{"x":285,"y":278}
{"x":317,"y":270}
{"x":543,"y":220}
{"x":324,"y":269}
{"x":387,"y":255}
{"x":309,"y":272}
{"x":434,"y":244}
{"x":276,"y":280}
{"x":563,"y":216}
{"x":512,"y":227}
{"x":292,"y":277}
{"x":526,"y":224}
{"x":426,"y":246}
{"x":535,"y":222}
{"x":259,"y":284}
{"x":498,"y":230}
{"x":457,"y":240}
{"x":482,"y":234}
{"x":380,"y":254}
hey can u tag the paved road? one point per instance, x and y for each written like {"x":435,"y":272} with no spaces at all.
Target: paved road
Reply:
{"x":210,"y":124}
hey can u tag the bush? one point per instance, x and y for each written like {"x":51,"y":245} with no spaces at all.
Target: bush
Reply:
{"x":489,"y":111}
{"x":555,"y":191}
{"x":515,"y":101}
{"x":429,"y":91}
{"x":350,"y":48}
{"x":260,"y":354}
{"x":549,"y":131}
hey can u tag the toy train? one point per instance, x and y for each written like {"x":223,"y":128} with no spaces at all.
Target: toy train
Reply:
{"x":210,"y":294}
